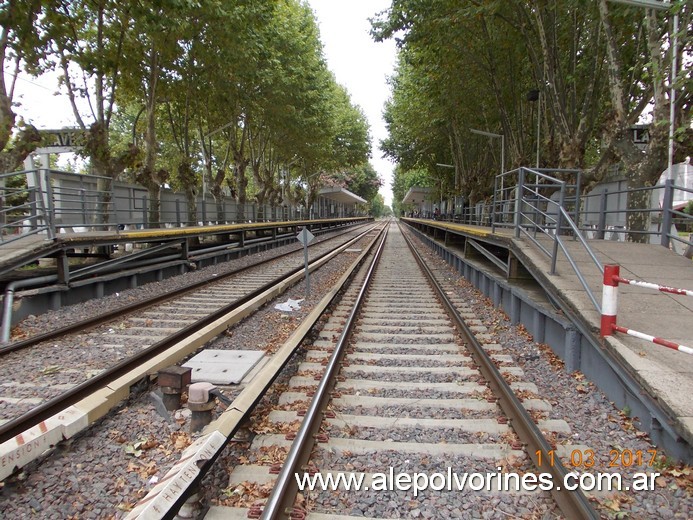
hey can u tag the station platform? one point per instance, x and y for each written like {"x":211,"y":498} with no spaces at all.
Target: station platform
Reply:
{"x":666,"y":375}
{"x":29,"y":248}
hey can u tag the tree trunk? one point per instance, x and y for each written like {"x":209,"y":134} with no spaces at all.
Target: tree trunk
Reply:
{"x":219,"y":204}
{"x":99,"y":153}
{"x":637,"y":221}
{"x":241,"y":185}
{"x":187,"y":176}
{"x":154,"y":217}
{"x":102,"y":210}
{"x":27,"y":141}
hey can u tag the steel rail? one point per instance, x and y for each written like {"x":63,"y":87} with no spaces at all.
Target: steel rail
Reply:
{"x":284,"y":491}
{"x":573,"y":504}
{"x":53,"y":406}
{"x":128,"y":309}
{"x":206,"y":465}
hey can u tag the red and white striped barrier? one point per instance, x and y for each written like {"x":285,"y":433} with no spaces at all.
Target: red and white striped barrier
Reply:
{"x":610,"y":307}
{"x":648,"y":285}
{"x":654,"y":339}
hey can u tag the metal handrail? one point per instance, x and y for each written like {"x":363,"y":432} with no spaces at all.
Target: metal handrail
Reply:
{"x":46,"y":201}
{"x":552,"y":226}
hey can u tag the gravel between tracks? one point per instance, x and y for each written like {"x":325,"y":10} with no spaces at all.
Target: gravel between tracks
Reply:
{"x":93,"y":476}
{"x":54,"y":319}
{"x":104,"y":471}
{"x":594,"y":420}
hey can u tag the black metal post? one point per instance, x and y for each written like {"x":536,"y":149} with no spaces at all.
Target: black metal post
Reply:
{"x":601,"y":225}
{"x":667,"y":214}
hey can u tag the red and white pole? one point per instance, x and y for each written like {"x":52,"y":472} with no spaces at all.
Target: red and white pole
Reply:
{"x":656,"y":287}
{"x":609,"y":299}
{"x":654,"y":339}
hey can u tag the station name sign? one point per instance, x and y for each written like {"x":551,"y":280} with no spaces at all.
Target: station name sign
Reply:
{"x":62,"y":140}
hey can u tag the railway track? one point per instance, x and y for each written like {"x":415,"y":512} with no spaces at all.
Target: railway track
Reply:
{"x":392,"y":384}
{"x":379,"y":380}
{"x":414,"y":346}
{"x":101,"y":318}
{"x":69,"y":365}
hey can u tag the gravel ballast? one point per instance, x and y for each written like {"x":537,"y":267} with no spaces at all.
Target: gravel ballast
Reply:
{"x":105,"y":470}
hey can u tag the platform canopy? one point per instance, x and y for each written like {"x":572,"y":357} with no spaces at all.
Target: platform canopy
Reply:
{"x":417,"y":195}
{"x":340,"y":195}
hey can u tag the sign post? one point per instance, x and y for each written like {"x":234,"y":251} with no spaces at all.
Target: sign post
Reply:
{"x":305,"y":237}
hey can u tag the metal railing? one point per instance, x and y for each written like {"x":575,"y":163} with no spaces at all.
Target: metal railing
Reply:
{"x":543,"y":206}
{"x":605,"y":215}
{"x":602,"y":214}
{"x":537,"y":204}
{"x":22,"y":206}
{"x":48,"y":201}
{"x":610,"y":283}
{"x":546,"y":206}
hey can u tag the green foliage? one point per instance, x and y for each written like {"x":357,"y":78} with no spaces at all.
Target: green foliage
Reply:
{"x":689,"y":208}
{"x":377,"y":206}
{"x":465,"y":65}
{"x":406,"y":179}
{"x":237,"y":92}
{"x":362,"y":180}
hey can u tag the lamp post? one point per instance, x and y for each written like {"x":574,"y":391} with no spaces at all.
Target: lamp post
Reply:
{"x":535,"y":95}
{"x":453,"y":168}
{"x":665,"y":6}
{"x":490,"y":134}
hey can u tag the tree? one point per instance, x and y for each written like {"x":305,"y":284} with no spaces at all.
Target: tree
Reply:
{"x":644,"y":90}
{"x":377,"y":206}
{"x":85,"y":41}
{"x":597,"y":68}
{"x":182,"y":91}
{"x":403,"y":181}
{"x":464,"y":61}
{"x":362,"y":180}
{"x":153,"y":55}
{"x":17,"y":39}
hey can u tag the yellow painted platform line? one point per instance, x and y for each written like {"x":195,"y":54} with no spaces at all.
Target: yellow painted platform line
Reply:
{"x":472,"y":230}
{"x":196,"y":230}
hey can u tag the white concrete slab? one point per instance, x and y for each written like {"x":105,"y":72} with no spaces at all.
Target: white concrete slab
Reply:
{"x":223,"y":367}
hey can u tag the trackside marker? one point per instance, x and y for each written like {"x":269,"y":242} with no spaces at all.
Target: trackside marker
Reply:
{"x":28,"y":445}
{"x":159,"y":500}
